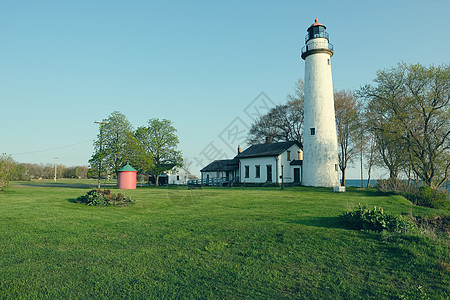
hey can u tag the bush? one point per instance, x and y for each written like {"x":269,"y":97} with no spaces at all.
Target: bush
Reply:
{"x":104,"y":198}
{"x":376,"y":219}
{"x":439,"y":225}
{"x":426,"y":196}
{"x":422,"y":196}
{"x":394,"y":185}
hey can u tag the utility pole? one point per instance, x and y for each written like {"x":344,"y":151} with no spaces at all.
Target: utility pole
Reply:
{"x":56,"y":160}
{"x":101,"y":154}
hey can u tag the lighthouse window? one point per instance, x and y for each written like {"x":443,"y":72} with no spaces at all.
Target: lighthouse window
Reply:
{"x":313,"y":131}
{"x":317,"y":31}
{"x":329,"y":62}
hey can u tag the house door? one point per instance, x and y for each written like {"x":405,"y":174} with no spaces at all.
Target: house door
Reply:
{"x":227,"y":178}
{"x":269,"y":173}
{"x":296,"y":175}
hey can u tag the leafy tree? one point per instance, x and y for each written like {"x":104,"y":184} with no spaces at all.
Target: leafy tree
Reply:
{"x":19,"y":172}
{"x":383,"y":123}
{"x":159,"y":141}
{"x":76,"y":172}
{"x":116,"y":141}
{"x":283,"y":122}
{"x":6,"y":166}
{"x":141,"y":158}
{"x":409,"y":109}
{"x":348,"y":128}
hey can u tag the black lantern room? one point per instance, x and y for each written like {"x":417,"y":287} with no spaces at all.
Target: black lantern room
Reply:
{"x":316,"y":30}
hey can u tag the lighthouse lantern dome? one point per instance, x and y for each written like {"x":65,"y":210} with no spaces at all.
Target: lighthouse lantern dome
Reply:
{"x":316,"y":30}
{"x":317,"y":40}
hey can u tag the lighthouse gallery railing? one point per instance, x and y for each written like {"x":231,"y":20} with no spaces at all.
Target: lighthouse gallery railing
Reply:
{"x":318,"y":45}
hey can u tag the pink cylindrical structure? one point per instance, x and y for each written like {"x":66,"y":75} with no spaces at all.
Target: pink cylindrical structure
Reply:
{"x":126,"y":179}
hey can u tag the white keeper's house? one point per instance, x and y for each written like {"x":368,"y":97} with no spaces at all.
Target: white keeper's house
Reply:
{"x":258,"y":164}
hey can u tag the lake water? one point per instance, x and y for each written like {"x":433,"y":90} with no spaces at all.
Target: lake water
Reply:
{"x":357,"y":183}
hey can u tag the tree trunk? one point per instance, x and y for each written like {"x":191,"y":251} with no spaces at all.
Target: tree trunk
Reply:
{"x":157,"y":180}
{"x":392,"y":173}
{"x":369,"y":173}
{"x":362,"y":170}
{"x":409,"y":174}
{"x":343,"y":178}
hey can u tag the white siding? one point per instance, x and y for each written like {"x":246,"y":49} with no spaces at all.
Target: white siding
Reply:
{"x":252,"y":162}
{"x":275,"y":161}
{"x":320,"y":149}
{"x":179,"y":177}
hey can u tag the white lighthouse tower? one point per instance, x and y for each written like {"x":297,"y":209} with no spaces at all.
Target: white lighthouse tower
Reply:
{"x":320,"y":150}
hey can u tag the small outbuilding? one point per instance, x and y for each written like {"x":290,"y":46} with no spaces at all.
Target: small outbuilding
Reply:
{"x":126,"y":179}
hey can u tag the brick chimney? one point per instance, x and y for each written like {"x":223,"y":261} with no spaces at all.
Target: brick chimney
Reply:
{"x":268,"y":139}
{"x":239,"y":149}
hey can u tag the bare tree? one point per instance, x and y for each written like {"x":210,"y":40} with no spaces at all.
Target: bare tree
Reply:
{"x":283,"y":122}
{"x":347,"y":125}
{"x":369,"y":149}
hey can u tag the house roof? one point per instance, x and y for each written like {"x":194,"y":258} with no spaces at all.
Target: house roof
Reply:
{"x":272,"y":149}
{"x":222,"y":165}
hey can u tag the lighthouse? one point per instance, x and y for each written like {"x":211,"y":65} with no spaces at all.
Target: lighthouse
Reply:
{"x":320,"y":150}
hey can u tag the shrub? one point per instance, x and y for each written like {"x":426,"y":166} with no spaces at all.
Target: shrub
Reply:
{"x":394,"y":185}
{"x":104,"y":198}
{"x":426,"y":196}
{"x":93,"y":197}
{"x":438,"y":225}
{"x":422,"y":196}
{"x":376,"y":219}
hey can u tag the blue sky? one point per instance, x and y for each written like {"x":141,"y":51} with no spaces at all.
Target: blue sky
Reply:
{"x":201,"y":64}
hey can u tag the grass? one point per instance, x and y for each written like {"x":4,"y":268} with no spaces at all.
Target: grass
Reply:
{"x":211,"y":243}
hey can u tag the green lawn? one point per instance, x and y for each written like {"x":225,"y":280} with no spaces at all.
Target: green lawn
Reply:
{"x":211,"y":243}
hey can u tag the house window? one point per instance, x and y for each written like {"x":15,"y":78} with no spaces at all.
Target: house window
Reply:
{"x":288,"y":155}
{"x":313,"y":131}
{"x":178,"y":177}
{"x":247,"y":171}
{"x":257,"y":171}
